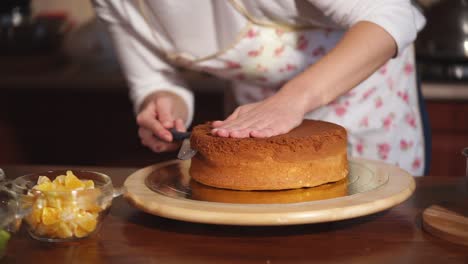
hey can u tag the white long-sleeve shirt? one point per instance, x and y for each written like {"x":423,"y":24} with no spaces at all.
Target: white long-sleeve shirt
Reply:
{"x":203,"y":27}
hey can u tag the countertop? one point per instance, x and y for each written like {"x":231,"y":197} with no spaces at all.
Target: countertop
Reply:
{"x":131,"y":236}
{"x":445,"y":91}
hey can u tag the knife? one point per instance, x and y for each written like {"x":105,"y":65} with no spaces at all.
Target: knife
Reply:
{"x":185,"y":151}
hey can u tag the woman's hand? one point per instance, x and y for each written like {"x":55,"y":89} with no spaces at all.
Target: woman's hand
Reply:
{"x":159,"y":112}
{"x":273,"y":116}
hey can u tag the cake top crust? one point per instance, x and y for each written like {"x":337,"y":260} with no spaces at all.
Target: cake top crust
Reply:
{"x":311,"y":138}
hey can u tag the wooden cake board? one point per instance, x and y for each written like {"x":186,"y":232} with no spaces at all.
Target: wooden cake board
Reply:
{"x":395,"y":186}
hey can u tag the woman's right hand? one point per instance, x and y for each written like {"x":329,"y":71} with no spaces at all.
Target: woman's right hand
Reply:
{"x":159,"y":112}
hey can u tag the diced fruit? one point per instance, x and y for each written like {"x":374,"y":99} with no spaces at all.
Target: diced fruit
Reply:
{"x":87,"y":221}
{"x":50,"y":216}
{"x":60,"y":180}
{"x":89,"y":184}
{"x":42,"y":179}
{"x":57,"y":213}
{"x":35,"y":217}
{"x":45,"y":187}
{"x":73,"y":183}
{"x":53,"y":202}
{"x":64,"y":230}
{"x":80,"y":232}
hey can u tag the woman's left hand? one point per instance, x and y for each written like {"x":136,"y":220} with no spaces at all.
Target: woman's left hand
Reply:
{"x":275,"y":115}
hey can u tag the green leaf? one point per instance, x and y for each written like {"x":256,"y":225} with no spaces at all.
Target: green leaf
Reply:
{"x":4,"y":237}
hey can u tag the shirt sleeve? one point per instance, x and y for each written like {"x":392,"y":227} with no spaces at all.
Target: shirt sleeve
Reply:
{"x":145,"y":71}
{"x":398,"y":17}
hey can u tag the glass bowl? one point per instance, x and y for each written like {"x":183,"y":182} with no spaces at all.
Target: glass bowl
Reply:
{"x":65,"y":205}
{"x":9,"y":216}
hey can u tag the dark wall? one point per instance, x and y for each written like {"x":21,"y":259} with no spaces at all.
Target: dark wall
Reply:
{"x":88,"y":127}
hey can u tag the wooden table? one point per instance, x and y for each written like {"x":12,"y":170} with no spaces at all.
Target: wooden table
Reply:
{"x":131,"y":236}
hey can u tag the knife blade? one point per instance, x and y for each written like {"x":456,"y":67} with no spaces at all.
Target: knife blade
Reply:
{"x":185,"y":151}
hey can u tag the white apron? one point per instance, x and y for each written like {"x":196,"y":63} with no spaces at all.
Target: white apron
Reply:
{"x":381,"y":114}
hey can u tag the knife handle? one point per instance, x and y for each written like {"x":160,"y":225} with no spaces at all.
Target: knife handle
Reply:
{"x":179,"y":136}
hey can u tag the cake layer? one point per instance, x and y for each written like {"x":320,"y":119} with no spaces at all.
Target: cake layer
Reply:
{"x":270,"y":174}
{"x":312,"y":154}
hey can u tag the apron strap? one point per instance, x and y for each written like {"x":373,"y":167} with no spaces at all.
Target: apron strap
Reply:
{"x":175,"y":56}
{"x":144,"y":8}
{"x":287,"y":27}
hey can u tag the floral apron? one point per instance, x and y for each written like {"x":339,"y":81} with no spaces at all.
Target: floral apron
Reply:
{"x":381,"y":114}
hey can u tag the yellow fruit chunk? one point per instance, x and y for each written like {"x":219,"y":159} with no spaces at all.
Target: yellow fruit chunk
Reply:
{"x":42,"y":179}
{"x":73,"y":183}
{"x":64,"y":231}
{"x":87,"y":222}
{"x":50,"y":216}
{"x":60,"y":180}
{"x":35,"y":217}
{"x":45,"y":187}
{"x":54,"y":202}
{"x":80,"y":232}
{"x":89,"y":184}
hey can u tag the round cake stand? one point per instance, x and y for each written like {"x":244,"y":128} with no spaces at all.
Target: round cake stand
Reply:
{"x":374,"y":187}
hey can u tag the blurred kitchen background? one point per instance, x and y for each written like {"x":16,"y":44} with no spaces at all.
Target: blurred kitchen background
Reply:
{"x":63,"y":99}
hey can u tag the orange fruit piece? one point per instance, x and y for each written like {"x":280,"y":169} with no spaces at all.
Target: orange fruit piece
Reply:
{"x":72,"y":182}
{"x":50,"y":216}
{"x":45,"y":187}
{"x":80,"y":232}
{"x":87,"y":221}
{"x":88,"y":184}
{"x":42,"y":179}
{"x":64,"y":231}
{"x":35,"y":217}
{"x":59,"y":180}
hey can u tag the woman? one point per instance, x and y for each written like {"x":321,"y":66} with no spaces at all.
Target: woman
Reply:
{"x":345,"y":61}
